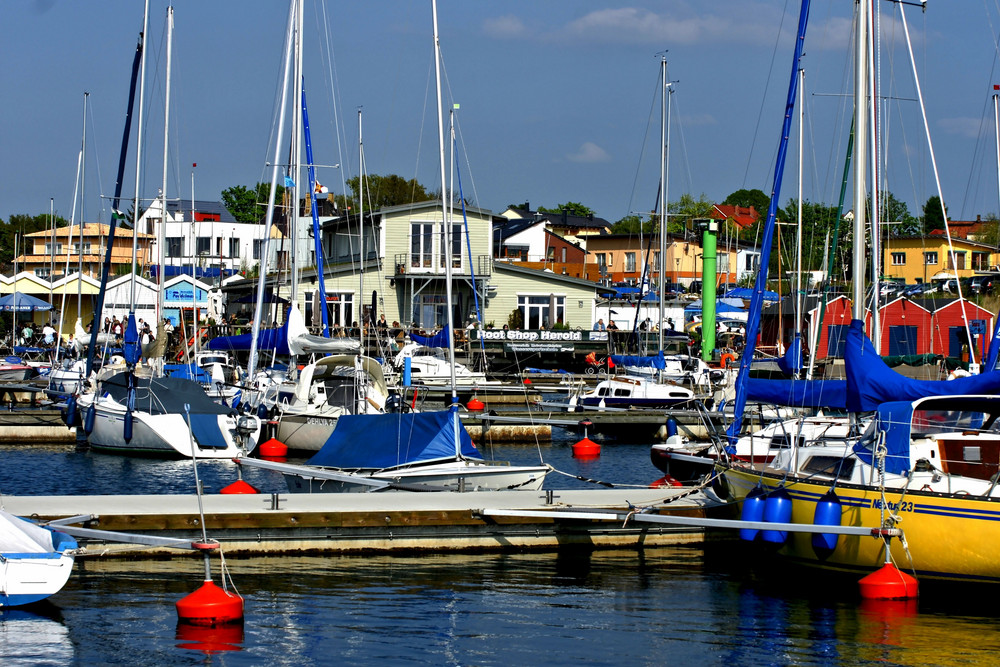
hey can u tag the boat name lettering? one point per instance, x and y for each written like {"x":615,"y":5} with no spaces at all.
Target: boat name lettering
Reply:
{"x":904,"y":506}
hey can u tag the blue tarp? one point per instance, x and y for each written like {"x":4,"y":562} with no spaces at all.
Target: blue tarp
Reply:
{"x":440,"y":339}
{"x":653,"y":361}
{"x":830,"y":394}
{"x":721,"y":308}
{"x":870,"y":382}
{"x":894,"y":418}
{"x":268,"y":339}
{"x":746,"y":293}
{"x":388,"y":440}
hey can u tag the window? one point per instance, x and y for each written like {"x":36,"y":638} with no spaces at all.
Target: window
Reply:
{"x":456,"y":246}
{"x":258,"y":247}
{"x":175,"y":246}
{"x":422,"y":245}
{"x":630,"y":261}
{"x":752,"y":260}
{"x":42,"y":273}
{"x":85,"y":250}
{"x":956,"y":258}
{"x":930,"y":258}
{"x":723,"y":263}
{"x":563,"y":260}
{"x":656,"y":259}
{"x":898,"y":258}
{"x":340,"y":308}
{"x":602,"y":259}
{"x":980,"y":261}
{"x":203,"y":245}
{"x":430,"y":310}
{"x":541,"y":311}
{"x":53,"y":249}
{"x":234,"y":247}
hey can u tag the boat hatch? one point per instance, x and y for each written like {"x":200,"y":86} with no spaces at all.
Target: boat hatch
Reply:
{"x":830,"y":466}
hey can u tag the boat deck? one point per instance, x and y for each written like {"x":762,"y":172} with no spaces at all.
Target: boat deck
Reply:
{"x":390,"y":521}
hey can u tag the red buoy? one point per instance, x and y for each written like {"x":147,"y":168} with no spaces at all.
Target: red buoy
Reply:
{"x":888,"y":583}
{"x":527,"y":380}
{"x":273,"y":447}
{"x":664,"y":482}
{"x":475,"y":405}
{"x":586,"y":449}
{"x":210,"y":605}
{"x":239,"y":486}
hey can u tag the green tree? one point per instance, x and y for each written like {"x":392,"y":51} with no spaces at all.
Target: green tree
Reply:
{"x":685,"y":209}
{"x":932,"y":217}
{"x":571,"y":207}
{"x":633,"y":224}
{"x":896,"y":212}
{"x":382,"y":191}
{"x":249,"y":205}
{"x":817,"y":221}
{"x":17,"y":226}
{"x":755,"y":198}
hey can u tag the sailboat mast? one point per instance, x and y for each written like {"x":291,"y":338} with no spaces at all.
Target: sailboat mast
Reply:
{"x":875,"y":212}
{"x":664,"y":110}
{"x":83,"y":216}
{"x":861,"y":148}
{"x":138,"y":159}
{"x":161,"y":228}
{"x":797,"y":342}
{"x":269,"y":220}
{"x":296,"y":162}
{"x":445,"y":222}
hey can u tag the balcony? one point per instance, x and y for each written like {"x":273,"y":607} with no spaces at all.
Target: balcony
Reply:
{"x":404,"y":265}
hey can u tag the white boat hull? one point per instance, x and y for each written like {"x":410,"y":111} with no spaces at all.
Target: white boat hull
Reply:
{"x":446,"y":476}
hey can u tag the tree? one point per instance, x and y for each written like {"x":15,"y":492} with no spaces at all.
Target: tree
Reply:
{"x":382,"y":191}
{"x":633,"y":224}
{"x":755,"y":198}
{"x":894,"y":211}
{"x":249,"y":205}
{"x":685,"y":209}
{"x":17,"y":226}
{"x":571,"y":207}
{"x":932,"y":218}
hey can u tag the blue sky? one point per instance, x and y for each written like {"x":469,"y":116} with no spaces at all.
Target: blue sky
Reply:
{"x":558,"y":98}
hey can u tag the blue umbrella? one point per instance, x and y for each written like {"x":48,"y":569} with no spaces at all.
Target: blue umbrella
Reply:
{"x":22,"y":303}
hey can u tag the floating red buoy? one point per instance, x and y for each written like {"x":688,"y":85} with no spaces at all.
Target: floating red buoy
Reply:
{"x":888,"y":583}
{"x":586,"y":449}
{"x":273,"y":447}
{"x":239,"y":486}
{"x":475,"y":405}
{"x":664,"y":482}
{"x":527,"y":380}
{"x":210,"y":605}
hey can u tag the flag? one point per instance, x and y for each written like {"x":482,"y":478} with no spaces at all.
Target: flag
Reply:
{"x":321,"y":189}
{"x":117,"y":215}
{"x":289,"y":183}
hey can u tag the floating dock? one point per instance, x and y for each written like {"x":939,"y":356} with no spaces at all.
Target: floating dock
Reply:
{"x":258,"y":524}
{"x":34,"y":426}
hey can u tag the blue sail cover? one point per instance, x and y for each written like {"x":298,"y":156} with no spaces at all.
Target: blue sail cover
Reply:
{"x":653,"y":361}
{"x":388,"y":440}
{"x":267,"y":339}
{"x":871,"y":383}
{"x":831,"y":394}
{"x":893,"y":418}
{"x":791,"y":362}
{"x":440,"y":339}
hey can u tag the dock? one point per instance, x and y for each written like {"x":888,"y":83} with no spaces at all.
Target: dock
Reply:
{"x":266,"y":524}
{"x":21,"y":426}
{"x":520,"y":425}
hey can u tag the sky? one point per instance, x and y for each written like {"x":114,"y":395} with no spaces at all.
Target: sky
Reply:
{"x":559,"y":100}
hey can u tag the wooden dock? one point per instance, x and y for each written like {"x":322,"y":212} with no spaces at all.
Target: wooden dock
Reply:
{"x":34,"y":426}
{"x":386,"y":522}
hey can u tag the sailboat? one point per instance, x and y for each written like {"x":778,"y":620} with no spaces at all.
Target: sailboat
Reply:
{"x":417,"y":451}
{"x":130,"y":412}
{"x":37,"y":560}
{"x":926,"y":464}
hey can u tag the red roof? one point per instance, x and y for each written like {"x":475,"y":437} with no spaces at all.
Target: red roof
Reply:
{"x":741,"y":216}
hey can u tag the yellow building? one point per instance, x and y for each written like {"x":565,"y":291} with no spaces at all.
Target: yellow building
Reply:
{"x":921,"y":259}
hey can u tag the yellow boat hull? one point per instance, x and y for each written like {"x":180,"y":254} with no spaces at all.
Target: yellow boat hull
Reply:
{"x":947,"y":536}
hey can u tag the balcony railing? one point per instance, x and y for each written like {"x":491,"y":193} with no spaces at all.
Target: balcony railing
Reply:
{"x":404,"y":264}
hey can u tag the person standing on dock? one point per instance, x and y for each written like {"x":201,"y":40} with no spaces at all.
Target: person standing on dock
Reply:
{"x":600,"y":324}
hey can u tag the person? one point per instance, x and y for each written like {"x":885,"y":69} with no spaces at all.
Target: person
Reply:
{"x":600,"y":324}
{"x":107,"y":325}
{"x":644,"y":325}
{"x":382,"y":324}
{"x":48,"y":335}
{"x":27,"y":334}
{"x":612,"y":326}
{"x":116,"y":326}
{"x":506,"y":328}
{"x":670,"y":323}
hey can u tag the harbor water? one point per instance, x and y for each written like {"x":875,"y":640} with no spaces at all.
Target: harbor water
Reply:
{"x":702,"y":605}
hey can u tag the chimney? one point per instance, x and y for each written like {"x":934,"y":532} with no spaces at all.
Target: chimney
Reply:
{"x":565,"y":215}
{"x":527,"y":206}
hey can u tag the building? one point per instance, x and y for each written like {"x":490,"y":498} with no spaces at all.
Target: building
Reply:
{"x":66,"y":250}
{"x":574,"y":228}
{"x":921,"y":259}
{"x":620,"y":257}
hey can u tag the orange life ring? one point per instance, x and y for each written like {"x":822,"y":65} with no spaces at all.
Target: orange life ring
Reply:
{"x":727,"y":358}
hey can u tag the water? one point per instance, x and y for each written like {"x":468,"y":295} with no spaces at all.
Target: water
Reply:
{"x":703,"y":605}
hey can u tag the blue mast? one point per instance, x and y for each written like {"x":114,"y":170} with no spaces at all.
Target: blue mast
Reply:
{"x":317,"y":238}
{"x":757,"y":298}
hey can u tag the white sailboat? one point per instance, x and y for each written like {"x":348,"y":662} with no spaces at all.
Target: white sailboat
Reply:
{"x":418,"y":451}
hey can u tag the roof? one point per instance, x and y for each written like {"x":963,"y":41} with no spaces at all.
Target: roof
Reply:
{"x":563,"y":219}
{"x":741,"y":216}
{"x":512,"y":267}
{"x":962,"y":228}
{"x":90,"y":229}
{"x":182,"y":209}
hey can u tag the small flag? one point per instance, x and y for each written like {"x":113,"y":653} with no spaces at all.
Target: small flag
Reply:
{"x":117,"y":215}
{"x":321,"y":189}
{"x":289,"y":183}
{"x":996,"y":86}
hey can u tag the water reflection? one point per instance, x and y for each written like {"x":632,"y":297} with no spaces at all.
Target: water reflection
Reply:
{"x":34,"y":635}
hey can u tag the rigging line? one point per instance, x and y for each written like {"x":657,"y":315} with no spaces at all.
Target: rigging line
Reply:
{"x":978,"y":158}
{"x":642,"y":146}
{"x":686,"y":160}
{"x":763,"y":97}
{"x":333,"y":85}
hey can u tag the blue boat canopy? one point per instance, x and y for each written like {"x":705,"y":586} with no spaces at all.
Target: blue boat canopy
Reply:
{"x":388,"y":440}
{"x":831,"y":394}
{"x":440,"y":339}
{"x":657,"y":361}
{"x":870,"y":382}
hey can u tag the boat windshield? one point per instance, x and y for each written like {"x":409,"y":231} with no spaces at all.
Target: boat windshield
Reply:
{"x":931,"y":422}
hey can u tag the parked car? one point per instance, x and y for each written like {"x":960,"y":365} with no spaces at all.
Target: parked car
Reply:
{"x":694,"y":287}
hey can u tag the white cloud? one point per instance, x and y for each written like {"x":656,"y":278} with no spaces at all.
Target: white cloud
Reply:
{"x":589,"y":152}
{"x":963,"y":127}
{"x":505,"y":27}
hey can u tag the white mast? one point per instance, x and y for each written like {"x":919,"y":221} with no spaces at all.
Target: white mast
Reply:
{"x":798,"y":232}
{"x":664,"y":156}
{"x":138,"y":156}
{"x":161,"y":230}
{"x":860,"y":147}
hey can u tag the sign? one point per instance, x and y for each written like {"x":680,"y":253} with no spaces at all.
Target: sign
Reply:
{"x":977,"y":327}
{"x":539,"y":336}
